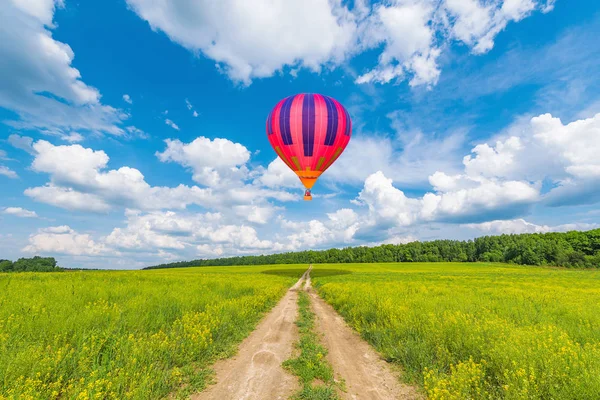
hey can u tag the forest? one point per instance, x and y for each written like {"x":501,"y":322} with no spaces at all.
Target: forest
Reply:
{"x":34,"y":264}
{"x":572,"y":249}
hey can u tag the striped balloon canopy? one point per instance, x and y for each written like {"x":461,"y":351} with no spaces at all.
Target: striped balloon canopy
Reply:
{"x":309,"y":132}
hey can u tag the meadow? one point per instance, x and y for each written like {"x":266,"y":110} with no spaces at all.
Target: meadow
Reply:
{"x":477,"y":330}
{"x":125,"y":334}
{"x":458,"y":330}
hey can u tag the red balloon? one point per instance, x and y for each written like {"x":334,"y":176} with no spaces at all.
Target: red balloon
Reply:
{"x":309,"y":132}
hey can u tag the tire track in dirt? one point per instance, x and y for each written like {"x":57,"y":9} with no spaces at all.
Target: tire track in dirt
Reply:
{"x":256,"y":371}
{"x":366,"y":375}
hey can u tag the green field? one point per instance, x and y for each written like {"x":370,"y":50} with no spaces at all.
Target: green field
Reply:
{"x":478,"y":331}
{"x":125,"y":335}
{"x":459,"y":330}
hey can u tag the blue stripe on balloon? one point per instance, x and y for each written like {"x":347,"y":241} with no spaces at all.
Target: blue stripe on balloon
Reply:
{"x":332,"y":121}
{"x":308,"y":124}
{"x":284,"y":120}
{"x":348,"y":122}
{"x":270,"y":124}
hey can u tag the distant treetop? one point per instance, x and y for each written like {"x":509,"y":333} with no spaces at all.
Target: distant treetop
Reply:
{"x":571,"y":249}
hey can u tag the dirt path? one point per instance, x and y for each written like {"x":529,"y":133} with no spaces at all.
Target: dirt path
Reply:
{"x":256,"y":372}
{"x":366,"y":375}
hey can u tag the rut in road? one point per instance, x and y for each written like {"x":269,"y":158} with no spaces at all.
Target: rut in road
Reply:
{"x":365,"y":374}
{"x":256,"y":371}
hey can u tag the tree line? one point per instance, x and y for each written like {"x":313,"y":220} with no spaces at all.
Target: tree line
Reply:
{"x":570,"y":249}
{"x":34,"y":264}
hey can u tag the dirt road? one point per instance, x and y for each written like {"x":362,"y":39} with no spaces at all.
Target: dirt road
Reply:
{"x":366,"y":375}
{"x":256,"y":372}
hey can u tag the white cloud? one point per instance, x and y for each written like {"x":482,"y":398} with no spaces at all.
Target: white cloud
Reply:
{"x":38,"y":82}
{"x":9,"y":173}
{"x":543,"y":148}
{"x":405,"y":28}
{"x":80,"y":180}
{"x":257,"y":38}
{"x":19,"y":212}
{"x":577,"y":144}
{"x":127,"y":99}
{"x":191,"y":108}
{"x":206,"y":233}
{"x":549,"y":6}
{"x":256,"y":214}
{"x":279,"y":175}
{"x":386,"y":203}
{"x":21,"y":142}
{"x":136,"y":132}
{"x":213,"y":162}
{"x":338,"y":228}
{"x":415,"y":32}
{"x":516,"y":226}
{"x":409,"y":157}
{"x":172,"y":124}
{"x":67,"y":198}
{"x":500,"y":181}
{"x":467,"y":197}
{"x":457,"y":198}
{"x":63,"y":240}
{"x":477,"y":23}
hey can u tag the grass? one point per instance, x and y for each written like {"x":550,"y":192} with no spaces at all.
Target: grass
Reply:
{"x":125,"y":335}
{"x":310,"y":365}
{"x":461,"y":331}
{"x":293,"y":272}
{"x":478,"y":331}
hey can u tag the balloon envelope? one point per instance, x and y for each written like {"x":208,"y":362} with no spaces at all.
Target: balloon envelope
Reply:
{"x":309,"y":132}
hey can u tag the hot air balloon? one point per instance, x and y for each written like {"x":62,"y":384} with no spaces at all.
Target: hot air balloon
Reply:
{"x":309,"y":132}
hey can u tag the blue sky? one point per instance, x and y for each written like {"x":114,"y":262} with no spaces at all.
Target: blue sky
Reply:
{"x":132,"y":131}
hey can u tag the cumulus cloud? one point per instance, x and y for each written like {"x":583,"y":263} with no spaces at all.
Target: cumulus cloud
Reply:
{"x":68,"y":198}
{"x":415,"y":32}
{"x":455,"y":199}
{"x":338,"y":228}
{"x":406,"y":30}
{"x":278,"y":174}
{"x":408,"y":157}
{"x":544,"y":148}
{"x":63,"y":240}
{"x":19,"y":212}
{"x":500,"y":181}
{"x":204,"y":233}
{"x":213,"y":162}
{"x":127,"y":99}
{"x":80,"y":180}
{"x":258,"y":38}
{"x":38,"y":82}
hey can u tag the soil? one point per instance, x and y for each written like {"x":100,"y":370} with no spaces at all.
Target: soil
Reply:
{"x":365,"y":374}
{"x":256,"y":371}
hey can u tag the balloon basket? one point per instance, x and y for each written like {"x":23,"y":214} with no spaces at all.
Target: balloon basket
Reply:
{"x":307,"y":197}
